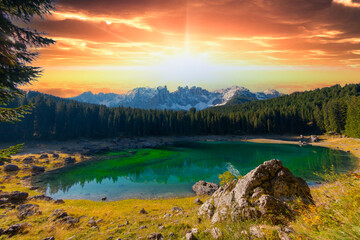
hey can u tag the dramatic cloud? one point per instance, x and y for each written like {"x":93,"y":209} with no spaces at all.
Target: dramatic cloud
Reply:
{"x":237,"y":33}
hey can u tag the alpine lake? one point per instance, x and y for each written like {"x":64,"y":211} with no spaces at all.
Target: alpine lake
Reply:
{"x":171,"y":171}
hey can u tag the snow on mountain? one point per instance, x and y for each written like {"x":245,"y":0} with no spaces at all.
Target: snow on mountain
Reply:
{"x":183,"y":98}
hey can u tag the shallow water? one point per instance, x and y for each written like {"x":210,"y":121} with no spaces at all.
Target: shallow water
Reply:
{"x":171,"y":171}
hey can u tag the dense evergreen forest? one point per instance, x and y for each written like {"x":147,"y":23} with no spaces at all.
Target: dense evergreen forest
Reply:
{"x":332,"y":109}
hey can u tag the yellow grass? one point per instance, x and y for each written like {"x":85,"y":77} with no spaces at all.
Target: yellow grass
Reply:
{"x":336,"y":215}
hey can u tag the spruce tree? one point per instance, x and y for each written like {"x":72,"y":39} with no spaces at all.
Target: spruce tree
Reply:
{"x":16,"y":56}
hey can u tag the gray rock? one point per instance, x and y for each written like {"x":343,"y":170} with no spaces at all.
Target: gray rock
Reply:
{"x":26,"y":210}
{"x":28,"y":160}
{"x":11,"y":168}
{"x":176,"y":209}
{"x":14,"y":197}
{"x":216,"y":233}
{"x":59,"y":201}
{"x":55,"y":155}
{"x":142,"y":211}
{"x":264,"y":192}
{"x":190,"y":236}
{"x":43,"y":156}
{"x":314,"y":138}
{"x":171,"y":235}
{"x":156,"y":236}
{"x":49,"y":238}
{"x":167,"y":215}
{"x":40,"y":197}
{"x":142,"y":227}
{"x":198,"y":201}
{"x":60,"y":215}
{"x":91,"y":223}
{"x":204,"y":188}
{"x":256,"y":232}
{"x":37,"y":169}
{"x":16,"y":228}
{"x":69,"y":160}
{"x":4,"y":200}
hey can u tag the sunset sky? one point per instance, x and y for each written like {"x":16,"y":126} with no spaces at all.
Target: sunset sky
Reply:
{"x":117,"y":45}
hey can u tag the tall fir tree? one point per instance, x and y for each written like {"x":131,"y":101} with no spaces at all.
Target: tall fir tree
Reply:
{"x":16,"y":57}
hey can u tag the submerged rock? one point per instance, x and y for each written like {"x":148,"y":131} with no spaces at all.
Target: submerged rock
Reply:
{"x":204,"y":188}
{"x":264,"y":192}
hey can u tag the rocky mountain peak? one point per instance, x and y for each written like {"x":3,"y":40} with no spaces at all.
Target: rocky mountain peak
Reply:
{"x":183,"y":98}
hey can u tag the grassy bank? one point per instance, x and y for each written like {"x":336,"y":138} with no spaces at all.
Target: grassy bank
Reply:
{"x":336,"y":215}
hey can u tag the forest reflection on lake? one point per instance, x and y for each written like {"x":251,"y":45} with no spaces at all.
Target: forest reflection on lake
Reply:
{"x":171,"y":171}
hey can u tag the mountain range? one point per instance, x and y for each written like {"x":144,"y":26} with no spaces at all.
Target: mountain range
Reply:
{"x":183,"y":98}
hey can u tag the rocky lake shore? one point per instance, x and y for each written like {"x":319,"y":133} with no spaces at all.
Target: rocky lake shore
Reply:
{"x":26,"y":213}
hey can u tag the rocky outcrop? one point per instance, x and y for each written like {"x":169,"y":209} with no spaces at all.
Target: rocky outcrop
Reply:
{"x":14,"y":197}
{"x":26,"y":210}
{"x":204,"y":188}
{"x":60,"y":216}
{"x":16,"y":228}
{"x":41,"y":197}
{"x":265,"y":192}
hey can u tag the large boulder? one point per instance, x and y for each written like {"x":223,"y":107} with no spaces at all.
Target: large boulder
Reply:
{"x":204,"y":188}
{"x":265,"y":192}
{"x":11,"y":168}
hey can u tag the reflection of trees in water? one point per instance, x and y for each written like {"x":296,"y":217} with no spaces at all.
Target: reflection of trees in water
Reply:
{"x":198,"y":161}
{"x":154,"y":171}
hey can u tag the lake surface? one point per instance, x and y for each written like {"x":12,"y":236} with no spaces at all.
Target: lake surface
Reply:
{"x":171,"y":171}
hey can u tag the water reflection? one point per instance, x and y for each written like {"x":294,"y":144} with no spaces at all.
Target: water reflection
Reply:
{"x":169,"y":172}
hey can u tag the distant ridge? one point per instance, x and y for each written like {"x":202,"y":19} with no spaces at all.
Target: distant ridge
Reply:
{"x":183,"y":98}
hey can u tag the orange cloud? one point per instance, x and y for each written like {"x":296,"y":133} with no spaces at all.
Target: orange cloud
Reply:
{"x":133,"y":36}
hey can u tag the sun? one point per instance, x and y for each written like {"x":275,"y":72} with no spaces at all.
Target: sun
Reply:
{"x":186,"y":67}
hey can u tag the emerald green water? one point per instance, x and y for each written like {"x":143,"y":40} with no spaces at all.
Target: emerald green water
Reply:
{"x":171,"y":171}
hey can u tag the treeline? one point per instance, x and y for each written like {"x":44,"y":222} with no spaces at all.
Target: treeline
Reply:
{"x":333,"y":109}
